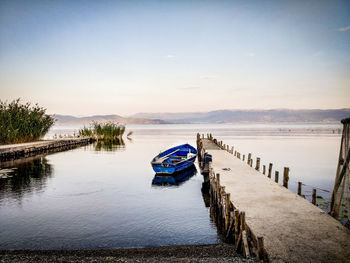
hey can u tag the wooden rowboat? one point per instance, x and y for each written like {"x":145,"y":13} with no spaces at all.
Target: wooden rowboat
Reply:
{"x":174,"y":159}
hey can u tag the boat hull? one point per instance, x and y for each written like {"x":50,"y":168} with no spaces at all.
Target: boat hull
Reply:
{"x":171,"y":168}
{"x":159,"y":169}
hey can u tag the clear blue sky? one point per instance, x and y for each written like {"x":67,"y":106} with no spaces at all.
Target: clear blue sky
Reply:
{"x":123,"y":57}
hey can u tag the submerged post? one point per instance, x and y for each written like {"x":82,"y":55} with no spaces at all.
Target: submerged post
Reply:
{"x":299,"y":188}
{"x":285,"y":177}
{"x":270,"y":170}
{"x":314,"y":196}
{"x":257,"y":167}
{"x":276,"y":176}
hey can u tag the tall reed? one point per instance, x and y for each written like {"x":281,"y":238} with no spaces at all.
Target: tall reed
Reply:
{"x":23,"y":122}
{"x":103,"y":131}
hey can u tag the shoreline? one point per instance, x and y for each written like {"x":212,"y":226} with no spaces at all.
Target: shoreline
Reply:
{"x":184,"y":253}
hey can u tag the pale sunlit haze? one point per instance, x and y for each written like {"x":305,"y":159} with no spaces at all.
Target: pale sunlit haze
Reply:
{"x":123,"y":57}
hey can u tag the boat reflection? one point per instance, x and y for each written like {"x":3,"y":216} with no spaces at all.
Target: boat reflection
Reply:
{"x":175,"y":179}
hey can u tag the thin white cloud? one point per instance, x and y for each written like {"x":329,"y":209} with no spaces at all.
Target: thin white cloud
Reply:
{"x":251,"y":54}
{"x":169,"y":56}
{"x":208,"y":77}
{"x":190,"y":88}
{"x":343,"y":29}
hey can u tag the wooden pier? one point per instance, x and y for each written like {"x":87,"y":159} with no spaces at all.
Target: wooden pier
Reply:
{"x":15,"y":151}
{"x":262,"y":218}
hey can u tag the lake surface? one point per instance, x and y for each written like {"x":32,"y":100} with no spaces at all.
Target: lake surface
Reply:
{"x":102,"y":196}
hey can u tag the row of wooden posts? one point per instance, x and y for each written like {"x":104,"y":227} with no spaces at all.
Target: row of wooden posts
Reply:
{"x":231,"y":222}
{"x":257,"y":166}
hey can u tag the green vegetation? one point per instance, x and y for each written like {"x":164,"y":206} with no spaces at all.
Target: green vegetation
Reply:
{"x":23,"y":122}
{"x":108,"y":131}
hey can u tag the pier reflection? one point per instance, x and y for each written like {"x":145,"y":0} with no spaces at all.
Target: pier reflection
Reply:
{"x":175,"y":179}
{"x":24,"y":176}
{"x":109,"y":146}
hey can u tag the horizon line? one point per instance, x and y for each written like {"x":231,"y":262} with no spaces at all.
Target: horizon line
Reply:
{"x":186,"y":112}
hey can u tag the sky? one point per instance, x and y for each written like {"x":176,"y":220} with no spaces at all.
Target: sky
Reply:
{"x":122,"y":57}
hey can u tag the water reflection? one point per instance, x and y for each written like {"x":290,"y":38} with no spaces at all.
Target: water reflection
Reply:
{"x":109,"y":146}
{"x":28,"y":175}
{"x":175,"y":179}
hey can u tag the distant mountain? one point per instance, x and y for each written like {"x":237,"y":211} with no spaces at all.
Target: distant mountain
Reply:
{"x":219,"y":116}
{"x":71,"y":120}
{"x":234,"y":116}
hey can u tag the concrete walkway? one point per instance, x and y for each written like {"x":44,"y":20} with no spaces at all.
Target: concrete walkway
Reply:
{"x":7,"y":147}
{"x":294,"y":230}
{"x":15,"y":151}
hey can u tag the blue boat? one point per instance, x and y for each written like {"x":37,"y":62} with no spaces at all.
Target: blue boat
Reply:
{"x":174,"y":159}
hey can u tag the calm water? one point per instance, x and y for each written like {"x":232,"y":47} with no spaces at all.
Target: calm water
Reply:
{"x":103,"y":197}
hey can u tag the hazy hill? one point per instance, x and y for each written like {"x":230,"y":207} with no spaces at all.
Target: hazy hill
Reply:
{"x":219,"y":116}
{"x":71,"y":120}
{"x":233,"y":116}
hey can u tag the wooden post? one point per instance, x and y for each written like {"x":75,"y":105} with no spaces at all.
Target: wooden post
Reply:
{"x":270,"y":170}
{"x":257,"y":166}
{"x":236,"y":225}
{"x":227,"y":210}
{"x":261,"y":248}
{"x":264,"y":169}
{"x":245,"y":244}
{"x":276,"y":176}
{"x":235,"y":153}
{"x":202,"y":136}
{"x":251,"y":163}
{"x":218,"y":179}
{"x":314,"y":196}
{"x":243,"y":157}
{"x":232,"y":150}
{"x":285,"y":177}
{"x":249,"y":157}
{"x":242,"y":216}
{"x":231,"y":225}
{"x":299,"y":188}
{"x":239,"y":155}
